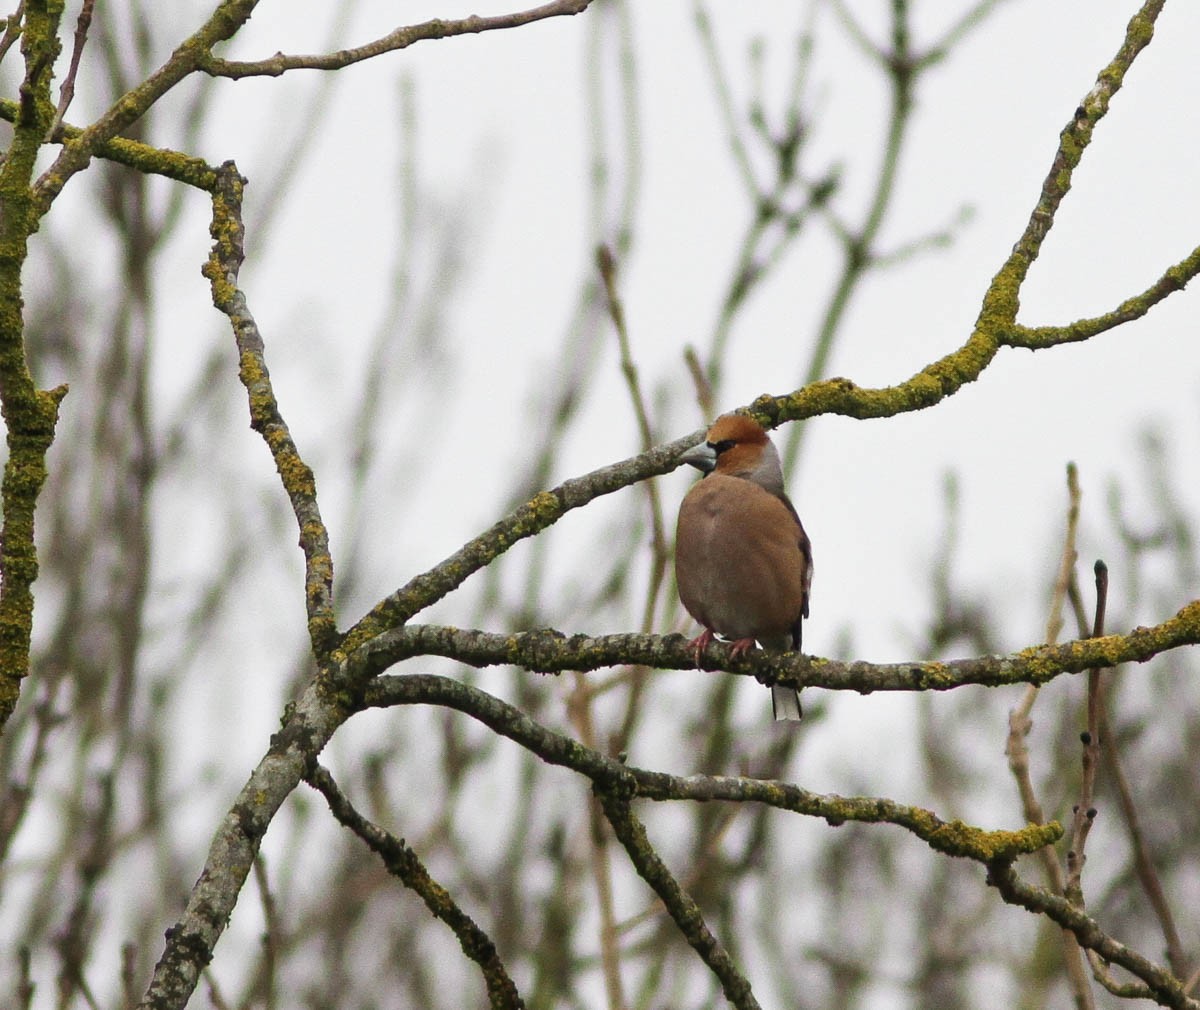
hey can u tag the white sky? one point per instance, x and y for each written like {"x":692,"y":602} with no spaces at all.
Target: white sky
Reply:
{"x":870,"y":493}
{"x":502,"y":121}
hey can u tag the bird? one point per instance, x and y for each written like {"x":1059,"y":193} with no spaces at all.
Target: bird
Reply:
{"x":743,"y":563}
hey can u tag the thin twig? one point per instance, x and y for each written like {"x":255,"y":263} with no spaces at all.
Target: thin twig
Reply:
{"x":704,"y":390}
{"x":580,"y":713}
{"x":1085,"y":811}
{"x":272,"y":933}
{"x":1019,"y":725}
{"x":13,"y":26}
{"x":730,"y":118}
{"x":1143,"y":864}
{"x":401,"y":38}
{"x":67,"y":92}
{"x":903,"y":69}
{"x":660,"y":552}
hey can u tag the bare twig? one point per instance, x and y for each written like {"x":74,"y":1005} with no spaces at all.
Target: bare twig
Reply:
{"x":1019,"y":725}
{"x":1085,"y":811}
{"x":1143,"y":865}
{"x":660,"y":551}
{"x":67,"y":91}
{"x":724,"y":93}
{"x":580,"y":712}
{"x":704,"y":390}
{"x":13,"y":25}
{"x":903,"y":68}
{"x":401,"y":38}
{"x":272,"y":934}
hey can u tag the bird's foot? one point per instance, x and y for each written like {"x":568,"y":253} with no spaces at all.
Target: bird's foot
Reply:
{"x":740,"y":647}
{"x":698,"y":644}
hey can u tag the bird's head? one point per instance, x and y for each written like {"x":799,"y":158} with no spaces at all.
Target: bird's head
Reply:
{"x":737,"y":445}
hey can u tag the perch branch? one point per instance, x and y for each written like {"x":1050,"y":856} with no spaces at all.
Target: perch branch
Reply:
{"x":549,"y":651}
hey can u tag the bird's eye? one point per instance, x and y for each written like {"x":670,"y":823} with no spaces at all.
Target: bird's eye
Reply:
{"x":722,"y":446}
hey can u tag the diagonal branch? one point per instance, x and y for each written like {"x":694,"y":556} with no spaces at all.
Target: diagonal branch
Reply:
{"x":265,"y":418}
{"x":1173,"y":279}
{"x":404,"y":864}
{"x":679,"y":904}
{"x":549,"y":651}
{"x":401,"y":38}
{"x":1073,"y":141}
{"x":1164,"y":986}
{"x":541,"y":511}
{"x":77,"y":152}
{"x":292,"y":753}
{"x":949,"y":837}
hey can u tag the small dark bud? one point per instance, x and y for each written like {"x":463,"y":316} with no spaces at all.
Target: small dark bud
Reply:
{"x":1091,"y":814}
{"x":1085,"y":737}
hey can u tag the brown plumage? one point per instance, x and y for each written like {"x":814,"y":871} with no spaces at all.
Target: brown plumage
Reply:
{"x":742,"y":559}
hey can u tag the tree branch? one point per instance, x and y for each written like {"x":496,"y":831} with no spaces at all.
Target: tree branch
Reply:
{"x":679,"y":904}
{"x":950,"y":837}
{"x":549,"y":651}
{"x":401,"y":38}
{"x":406,"y":866}
{"x":1167,"y":989}
{"x":265,"y":418}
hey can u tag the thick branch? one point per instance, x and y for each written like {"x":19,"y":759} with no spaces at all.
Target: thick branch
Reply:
{"x":77,"y":152}
{"x":30,"y":414}
{"x":292,"y":754}
{"x":949,"y":837}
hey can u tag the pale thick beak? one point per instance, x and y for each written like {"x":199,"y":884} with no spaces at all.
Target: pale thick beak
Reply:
{"x":703,"y":457}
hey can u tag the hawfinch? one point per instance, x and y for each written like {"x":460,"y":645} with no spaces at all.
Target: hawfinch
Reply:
{"x":742,"y":560}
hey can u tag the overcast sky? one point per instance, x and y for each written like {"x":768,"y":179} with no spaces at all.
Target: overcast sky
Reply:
{"x":502,"y":119}
{"x":501,"y":153}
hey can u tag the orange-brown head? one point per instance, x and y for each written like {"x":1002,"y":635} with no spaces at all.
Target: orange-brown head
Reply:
{"x":737,"y":445}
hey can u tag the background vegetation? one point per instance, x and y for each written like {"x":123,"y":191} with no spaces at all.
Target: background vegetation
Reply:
{"x":197,"y":710}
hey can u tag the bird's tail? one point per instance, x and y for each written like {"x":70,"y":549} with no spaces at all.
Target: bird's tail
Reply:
{"x":785,"y":704}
